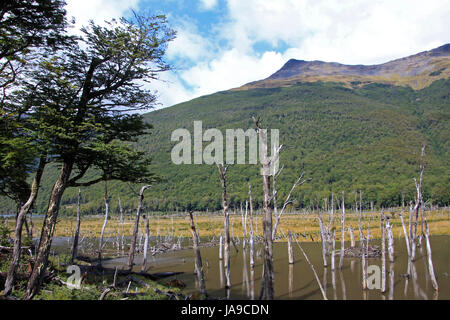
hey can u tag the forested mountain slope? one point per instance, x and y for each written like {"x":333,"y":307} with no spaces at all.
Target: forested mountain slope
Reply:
{"x":367,"y":138}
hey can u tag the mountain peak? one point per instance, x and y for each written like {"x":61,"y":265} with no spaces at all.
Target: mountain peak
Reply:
{"x":417,"y":71}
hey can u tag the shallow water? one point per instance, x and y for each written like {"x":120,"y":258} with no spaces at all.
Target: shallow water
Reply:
{"x":297,"y":281}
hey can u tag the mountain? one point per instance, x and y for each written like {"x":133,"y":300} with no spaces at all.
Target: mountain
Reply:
{"x":417,"y":71}
{"x":345,"y":135}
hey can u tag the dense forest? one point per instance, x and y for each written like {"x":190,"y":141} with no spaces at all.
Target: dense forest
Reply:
{"x":364,"y":138}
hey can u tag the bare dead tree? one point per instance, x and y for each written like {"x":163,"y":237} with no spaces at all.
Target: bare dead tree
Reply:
{"x":429,"y":256}
{"x":352,"y":236}
{"x":147,"y":236}
{"x":121,"y":224}
{"x":406,"y":235}
{"x":100,"y":243}
{"x":341,"y":260}
{"x":223,"y":178}
{"x":333,"y":248}
{"x":268,"y":277}
{"x":77,"y":230}
{"x":290,"y":249}
{"x":198,"y":257}
{"x":363,"y":261}
{"x":383,"y":253}
{"x":136,"y":227}
{"x":221,"y":247}
{"x":252,"y":243}
{"x":419,"y":201}
{"x":324,"y":240}
{"x":390,"y":238}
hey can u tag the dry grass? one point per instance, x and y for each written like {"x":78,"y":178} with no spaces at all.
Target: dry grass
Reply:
{"x":212,"y":224}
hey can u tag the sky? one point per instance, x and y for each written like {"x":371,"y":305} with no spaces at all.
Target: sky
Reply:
{"x":223,"y":44}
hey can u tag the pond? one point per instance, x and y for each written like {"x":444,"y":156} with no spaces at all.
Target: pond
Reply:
{"x":297,"y":281}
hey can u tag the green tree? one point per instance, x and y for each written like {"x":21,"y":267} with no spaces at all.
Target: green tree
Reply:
{"x":28,"y":31}
{"x":81,"y":107}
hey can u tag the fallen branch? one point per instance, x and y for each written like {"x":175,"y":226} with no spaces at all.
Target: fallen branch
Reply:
{"x":314,"y":271}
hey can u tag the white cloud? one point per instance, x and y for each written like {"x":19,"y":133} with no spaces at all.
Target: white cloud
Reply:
{"x":98,"y":10}
{"x":188,"y":44}
{"x":208,"y":4}
{"x":357,"y":31}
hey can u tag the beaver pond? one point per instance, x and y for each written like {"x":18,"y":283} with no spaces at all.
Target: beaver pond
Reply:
{"x":292,"y":281}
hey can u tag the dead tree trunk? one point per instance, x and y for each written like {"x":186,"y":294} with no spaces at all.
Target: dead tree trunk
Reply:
{"x":390,"y":238}
{"x":221,"y":247}
{"x":333,"y":249}
{"x":290,"y":249}
{"x":341,"y":260}
{"x":408,"y":249}
{"x":419,"y":200}
{"x":136,"y":228}
{"x":223,"y":178}
{"x":430,"y":260}
{"x":244,"y":225}
{"x":411,"y":234}
{"x":252,"y":244}
{"x":324,"y":241}
{"x":21,"y":218}
{"x":352,"y":236}
{"x":147,"y":236}
{"x":268,"y":276}
{"x":77,"y":230}
{"x":363,"y":262}
{"x":100,"y":243}
{"x":198,"y":257}
{"x":383,"y":255}
{"x":121,"y":224}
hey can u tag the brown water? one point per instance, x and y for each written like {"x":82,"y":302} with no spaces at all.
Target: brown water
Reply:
{"x":297,"y":281}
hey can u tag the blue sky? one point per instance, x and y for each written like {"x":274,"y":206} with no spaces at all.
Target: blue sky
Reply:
{"x":222,"y":44}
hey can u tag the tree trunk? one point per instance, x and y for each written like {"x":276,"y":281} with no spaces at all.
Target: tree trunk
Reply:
{"x":341,"y":260}
{"x":290,"y":249}
{"x":121,"y":224}
{"x":147,"y":236}
{"x":408,"y":249}
{"x":383,"y":255}
{"x":412,"y":240}
{"x":21,"y":217}
{"x":268,"y":292}
{"x":221,"y":247}
{"x":323,"y":238}
{"x":77,"y":230}
{"x":48,"y":229}
{"x":136,"y":228}
{"x":352,"y":237}
{"x":252,"y":248}
{"x":198,"y":257}
{"x":100,"y":243}
{"x":390,"y":238}
{"x":268,"y":242}
{"x":223,"y":178}
{"x":430,"y":260}
{"x":333,"y":249}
